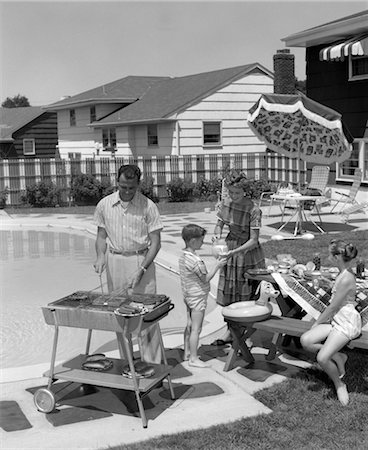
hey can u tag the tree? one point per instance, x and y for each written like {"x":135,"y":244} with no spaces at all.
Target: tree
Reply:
{"x":17,"y":101}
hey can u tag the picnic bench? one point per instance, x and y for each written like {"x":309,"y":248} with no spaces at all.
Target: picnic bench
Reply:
{"x":278,"y":326}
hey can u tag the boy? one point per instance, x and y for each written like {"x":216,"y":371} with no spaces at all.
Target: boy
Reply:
{"x":195,"y":281}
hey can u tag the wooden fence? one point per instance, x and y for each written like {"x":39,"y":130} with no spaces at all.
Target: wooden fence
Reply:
{"x":16,"y":174}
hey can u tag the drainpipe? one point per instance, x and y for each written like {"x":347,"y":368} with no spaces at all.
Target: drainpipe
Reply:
{"x":176,"y":150}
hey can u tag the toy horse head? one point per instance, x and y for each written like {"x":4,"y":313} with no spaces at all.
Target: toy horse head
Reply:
{"x":266,"y":293}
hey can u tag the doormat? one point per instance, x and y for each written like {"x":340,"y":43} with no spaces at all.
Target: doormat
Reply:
{"x":12,"y":417}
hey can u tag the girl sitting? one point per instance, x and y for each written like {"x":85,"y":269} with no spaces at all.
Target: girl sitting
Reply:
{"x":339,"y":323}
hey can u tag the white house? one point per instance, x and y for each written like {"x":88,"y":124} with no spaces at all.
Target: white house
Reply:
{"x":143,"y":116}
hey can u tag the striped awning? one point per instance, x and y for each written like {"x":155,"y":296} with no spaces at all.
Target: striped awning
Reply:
{"x":356,"y":46}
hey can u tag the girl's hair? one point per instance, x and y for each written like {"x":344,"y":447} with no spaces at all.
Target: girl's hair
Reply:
{"x":192,"y":231}
{"x":236,"y":179}
{"x":347,"y":251}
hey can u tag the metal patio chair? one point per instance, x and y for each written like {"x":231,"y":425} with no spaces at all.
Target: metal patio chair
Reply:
{"x":344,"y":198}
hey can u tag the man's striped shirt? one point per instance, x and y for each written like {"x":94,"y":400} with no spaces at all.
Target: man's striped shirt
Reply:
{"x":128,"y":229}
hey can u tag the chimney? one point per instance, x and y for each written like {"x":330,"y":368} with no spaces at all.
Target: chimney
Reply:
{"x":284,"y":73}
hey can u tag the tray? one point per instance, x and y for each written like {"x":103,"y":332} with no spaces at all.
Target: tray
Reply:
{"x":259,"y":271}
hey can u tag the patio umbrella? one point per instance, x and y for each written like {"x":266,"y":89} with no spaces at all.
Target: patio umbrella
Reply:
{"x":298,"y":127}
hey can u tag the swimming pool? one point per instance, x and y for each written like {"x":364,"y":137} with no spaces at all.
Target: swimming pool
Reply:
{"x":38,"y":266}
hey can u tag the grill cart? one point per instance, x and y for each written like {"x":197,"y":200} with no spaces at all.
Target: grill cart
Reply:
{"x":127,"y":316}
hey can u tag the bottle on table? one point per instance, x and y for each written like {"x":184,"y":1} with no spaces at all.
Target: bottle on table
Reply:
{"x":360,"y":268}
{"x":317,"y":261}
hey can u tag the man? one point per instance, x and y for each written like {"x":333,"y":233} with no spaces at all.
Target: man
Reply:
{"x":128,"y":240}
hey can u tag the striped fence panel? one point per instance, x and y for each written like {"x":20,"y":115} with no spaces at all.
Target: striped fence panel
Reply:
{"x":16,"y":174}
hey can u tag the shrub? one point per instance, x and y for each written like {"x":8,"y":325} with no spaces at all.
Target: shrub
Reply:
{"x":180,"y":190}
{"x":256,"y":187}
{"x":86,"y":189}
{"x":106,"y":188}
{"x":42,"y":194}
{"x":146,"y":187}
{"x":3,"y":197}
{"x":206,"y":190}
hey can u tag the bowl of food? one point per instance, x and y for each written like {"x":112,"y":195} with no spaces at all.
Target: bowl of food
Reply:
{"x":286,"y":260}
{"x":299,"y":269}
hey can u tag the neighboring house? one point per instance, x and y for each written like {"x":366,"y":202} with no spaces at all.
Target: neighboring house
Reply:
{"x":27,"y":132}
{"x":337,"y":76}
{"x":153,"y":116}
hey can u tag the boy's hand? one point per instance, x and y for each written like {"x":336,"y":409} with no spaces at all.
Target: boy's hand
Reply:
{"x":221,"y":262}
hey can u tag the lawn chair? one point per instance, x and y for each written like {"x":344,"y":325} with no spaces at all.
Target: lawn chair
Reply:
{"x":350,"y":197}
{"x":319,"y":179}
{"x":317,"y":186}
{"x":345,"y":213}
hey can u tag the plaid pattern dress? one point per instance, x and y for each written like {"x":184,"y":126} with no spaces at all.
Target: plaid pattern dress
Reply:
{"x":240,"y":218}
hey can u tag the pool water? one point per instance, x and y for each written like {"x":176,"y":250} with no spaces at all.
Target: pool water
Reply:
{"x":40,"y":266}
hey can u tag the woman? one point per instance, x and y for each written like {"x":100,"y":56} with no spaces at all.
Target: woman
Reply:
{"x":340,"y":321}
{"x":243,"y":219}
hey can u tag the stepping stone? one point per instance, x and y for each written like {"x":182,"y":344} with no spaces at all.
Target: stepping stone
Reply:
{"x":12,"y":417}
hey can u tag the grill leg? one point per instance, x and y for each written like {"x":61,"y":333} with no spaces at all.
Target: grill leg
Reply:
{"x":53,"y":356}
{"x":172,"y":394}
{"x":127,"y":345}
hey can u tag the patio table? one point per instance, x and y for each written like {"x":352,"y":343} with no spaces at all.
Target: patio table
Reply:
{"x":299,"y":213}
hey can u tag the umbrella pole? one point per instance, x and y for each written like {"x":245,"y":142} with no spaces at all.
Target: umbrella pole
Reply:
{"x":300,"y":130}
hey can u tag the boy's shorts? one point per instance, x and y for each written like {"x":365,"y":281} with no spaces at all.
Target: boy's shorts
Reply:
{"x":196,"y":303}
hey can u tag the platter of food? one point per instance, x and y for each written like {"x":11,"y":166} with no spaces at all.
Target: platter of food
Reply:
{"x":259,"y":271}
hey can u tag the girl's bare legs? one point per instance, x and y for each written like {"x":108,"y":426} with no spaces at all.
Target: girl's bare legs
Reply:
{"x":340,"y":359}
{"x":187,"y":335}
{"x":327,"y":354}
{"x":196,"y":327}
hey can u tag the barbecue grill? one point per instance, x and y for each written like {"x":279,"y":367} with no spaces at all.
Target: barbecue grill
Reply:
{"x":127,"y":316}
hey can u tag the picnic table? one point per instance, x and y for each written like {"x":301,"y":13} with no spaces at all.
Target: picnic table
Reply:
{"x":297,"y":298}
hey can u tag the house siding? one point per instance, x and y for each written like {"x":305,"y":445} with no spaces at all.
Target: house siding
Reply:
{"x":44,"y":131}
{"x":82,"y":138}
{"x":230,"y":106}
{"x":328,"y":83}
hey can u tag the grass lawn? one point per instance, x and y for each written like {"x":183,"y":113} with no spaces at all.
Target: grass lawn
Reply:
{"x":305,"y":415}
{"x":304,"y":250}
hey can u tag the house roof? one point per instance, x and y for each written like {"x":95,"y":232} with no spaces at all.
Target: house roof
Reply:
{"x":171,"y":96}
{"x":124,"y":90}
{"x":12,"y":119}
{"x":339,"y":29}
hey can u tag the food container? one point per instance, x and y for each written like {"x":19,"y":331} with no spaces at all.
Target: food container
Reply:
{"x":286,"y":260}
{"x":219,"y":248}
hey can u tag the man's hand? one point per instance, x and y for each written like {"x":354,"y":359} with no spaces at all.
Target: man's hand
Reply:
{"x":137,"y":277}
{"x":100,"y":265}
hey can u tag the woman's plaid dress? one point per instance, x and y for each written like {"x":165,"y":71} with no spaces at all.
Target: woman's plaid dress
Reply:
{"x":240,"y":217}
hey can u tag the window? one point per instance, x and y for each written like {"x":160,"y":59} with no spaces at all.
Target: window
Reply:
{"x":152,"y":134}
{"x":358,"y":67}
{"x":75,"y":155}
{"x":358,"y":159}
{"x":72,"y":119}
{"x":92,"y":114}
{"x":109,"y":138}
{"x":29,"y":147}
{"x":211,"y":133}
